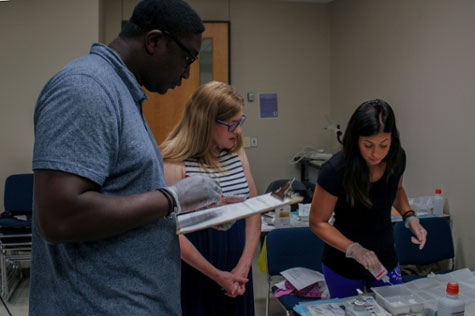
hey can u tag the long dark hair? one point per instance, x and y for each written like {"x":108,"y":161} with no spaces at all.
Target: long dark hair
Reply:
{"x":370,"y":118}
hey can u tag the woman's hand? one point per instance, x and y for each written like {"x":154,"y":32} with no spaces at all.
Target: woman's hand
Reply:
{"x":367,"y":258}
{"x":243,"y":272}
{"x":420,"y":234}
{"x":228,"y":199}
{"x":231,"y":283}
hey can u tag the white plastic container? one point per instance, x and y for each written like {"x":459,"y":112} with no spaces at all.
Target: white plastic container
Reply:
{"x":398,"y":300}
{"x":438,"y":201}
{"x":451,"y":304}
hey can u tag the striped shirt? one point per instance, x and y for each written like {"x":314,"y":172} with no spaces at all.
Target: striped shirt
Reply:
{"x":230,"y":176}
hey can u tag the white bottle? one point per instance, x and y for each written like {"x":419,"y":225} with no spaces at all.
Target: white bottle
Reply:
{"x":438,"y":209}
{"x":451,"y":304}
{"x":381,"y":274}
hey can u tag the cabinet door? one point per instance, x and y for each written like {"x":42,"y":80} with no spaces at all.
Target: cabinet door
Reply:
{"x":163,"y":112}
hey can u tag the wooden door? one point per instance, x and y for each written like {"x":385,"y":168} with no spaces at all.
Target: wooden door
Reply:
{"x":163,"y":112}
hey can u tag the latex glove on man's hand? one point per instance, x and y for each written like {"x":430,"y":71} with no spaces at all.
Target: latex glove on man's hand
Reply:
{"x":195,"y":192}
{"x":367,"y":258}
{"x":420,"y":234}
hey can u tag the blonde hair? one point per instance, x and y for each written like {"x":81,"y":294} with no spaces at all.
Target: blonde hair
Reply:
{"x":192,"y":136}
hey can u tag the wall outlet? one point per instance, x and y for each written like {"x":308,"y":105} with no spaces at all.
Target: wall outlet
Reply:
{"x":253,"y":141}
{"x":250,"y":96}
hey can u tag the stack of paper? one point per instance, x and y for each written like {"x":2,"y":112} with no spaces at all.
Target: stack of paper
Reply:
{"x":300,"y":278}
{"x":202,"y":219}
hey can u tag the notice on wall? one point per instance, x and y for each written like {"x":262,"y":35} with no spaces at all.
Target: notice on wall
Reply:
{"x":268,"y":105}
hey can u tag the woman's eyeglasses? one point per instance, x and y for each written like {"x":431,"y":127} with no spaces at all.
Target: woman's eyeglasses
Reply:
{"x":233,"y":125}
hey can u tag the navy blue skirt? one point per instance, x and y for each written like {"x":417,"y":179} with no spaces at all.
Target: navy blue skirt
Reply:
{"x":201,"y":296}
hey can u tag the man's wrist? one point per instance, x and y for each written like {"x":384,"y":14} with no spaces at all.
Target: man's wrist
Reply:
{"x":172,"y":202}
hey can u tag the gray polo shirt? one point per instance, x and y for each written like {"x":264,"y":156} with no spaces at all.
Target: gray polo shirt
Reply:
{"x":89,"y":122}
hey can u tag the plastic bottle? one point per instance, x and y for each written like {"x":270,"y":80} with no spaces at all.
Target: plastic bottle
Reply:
{"x":382,"y":274}
{"x":451,"y":304}
{"x":282,"y":216}
{"x":438,"y":203}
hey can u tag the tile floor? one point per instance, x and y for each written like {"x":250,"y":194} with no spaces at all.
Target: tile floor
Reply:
{"x":18,"y":303}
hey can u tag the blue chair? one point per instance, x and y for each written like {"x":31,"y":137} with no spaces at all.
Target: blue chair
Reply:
{"x":289,"y":248}
{"x":439,"y":245}
{"x":15,"y":231}
{"x":18,"y":203}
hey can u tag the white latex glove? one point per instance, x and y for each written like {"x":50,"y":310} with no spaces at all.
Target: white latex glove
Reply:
{"x":195,"y":192}
{"x":420,"y":234}
{"x":367,"y":258}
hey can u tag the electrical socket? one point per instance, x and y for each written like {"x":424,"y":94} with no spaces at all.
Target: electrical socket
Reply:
{"x":254,"y":141}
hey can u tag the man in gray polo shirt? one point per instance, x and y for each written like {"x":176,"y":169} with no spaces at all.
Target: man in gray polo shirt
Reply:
{"x":104,"y":240}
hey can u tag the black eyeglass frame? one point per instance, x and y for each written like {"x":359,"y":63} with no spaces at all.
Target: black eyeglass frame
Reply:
{"x":188,"y":59}
{"x":232,"y":126}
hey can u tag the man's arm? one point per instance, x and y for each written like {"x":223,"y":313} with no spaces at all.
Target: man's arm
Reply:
{"x":69,"y":208}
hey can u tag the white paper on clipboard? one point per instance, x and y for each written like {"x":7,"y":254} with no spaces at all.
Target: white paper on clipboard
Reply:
{"x":189,"y":222}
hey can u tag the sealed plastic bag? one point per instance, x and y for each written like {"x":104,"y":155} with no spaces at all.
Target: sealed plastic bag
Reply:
{"x":422,"y":204}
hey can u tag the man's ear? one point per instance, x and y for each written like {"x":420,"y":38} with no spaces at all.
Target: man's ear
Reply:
{"x":153,"y":40}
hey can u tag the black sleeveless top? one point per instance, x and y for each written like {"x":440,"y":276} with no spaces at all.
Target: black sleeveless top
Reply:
{"x":371,"y":227}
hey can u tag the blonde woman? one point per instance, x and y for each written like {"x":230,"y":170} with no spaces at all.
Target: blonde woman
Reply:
{"x":216,"y":273}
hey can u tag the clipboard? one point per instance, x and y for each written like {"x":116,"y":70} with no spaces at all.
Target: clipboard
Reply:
{"x":198,"y":220}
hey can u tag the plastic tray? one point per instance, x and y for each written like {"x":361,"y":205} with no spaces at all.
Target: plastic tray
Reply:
{"x":398,"y":299}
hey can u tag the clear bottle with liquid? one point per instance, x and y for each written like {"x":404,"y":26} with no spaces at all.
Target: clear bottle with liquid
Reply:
{"x":451,"y":304}
{"x":282,"y":216}
{"x":438,"y":209}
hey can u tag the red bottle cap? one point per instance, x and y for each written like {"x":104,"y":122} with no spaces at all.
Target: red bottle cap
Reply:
{"x":452,"y":288}
{"x":438,"y":191}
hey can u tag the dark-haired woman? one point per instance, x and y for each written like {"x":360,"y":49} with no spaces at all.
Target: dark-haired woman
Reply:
{"x":360,"y":184}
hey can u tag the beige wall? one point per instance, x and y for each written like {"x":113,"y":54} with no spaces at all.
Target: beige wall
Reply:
{"x":283,"y":48}
{"x":420,"y":57}
{"x":275,"y":47}
{"x":37,"y":38}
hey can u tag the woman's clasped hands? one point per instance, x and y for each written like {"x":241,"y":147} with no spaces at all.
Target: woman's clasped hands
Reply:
{"x":232,"y":283}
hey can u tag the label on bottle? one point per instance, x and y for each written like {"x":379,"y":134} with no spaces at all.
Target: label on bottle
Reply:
{"x":451,"y":306}
{"x":380,"y":274}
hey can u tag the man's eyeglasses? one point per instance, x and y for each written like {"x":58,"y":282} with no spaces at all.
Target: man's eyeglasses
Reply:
{"x":232,"y":126}
{"x":190,"y":58}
